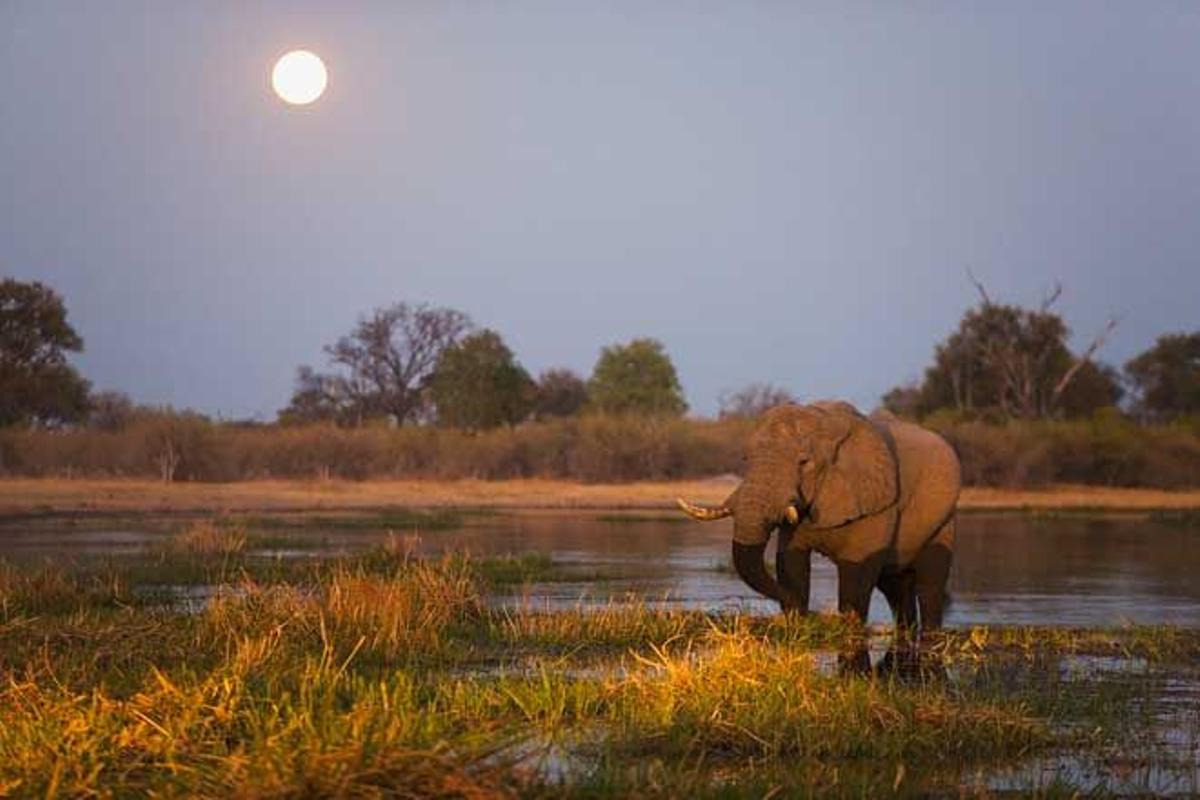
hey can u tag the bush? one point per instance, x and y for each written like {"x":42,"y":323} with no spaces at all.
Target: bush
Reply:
{"x":1107,"y":449}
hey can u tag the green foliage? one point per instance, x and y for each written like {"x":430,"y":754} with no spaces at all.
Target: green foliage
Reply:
{"x":1010,"y":362}
{"x":1166,"y":377}
{"x":37,"y":385}
{"x":111,"y":411}
{"x":636,"y":378}
{"x":1094,"y":387}
{"x":478,"y":384}
{"x":560,"y":393}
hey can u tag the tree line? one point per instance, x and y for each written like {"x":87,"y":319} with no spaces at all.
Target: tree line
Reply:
{"x":420,"y":365}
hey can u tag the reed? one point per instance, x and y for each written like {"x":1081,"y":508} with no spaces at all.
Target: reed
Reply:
{"x":395,"y":675}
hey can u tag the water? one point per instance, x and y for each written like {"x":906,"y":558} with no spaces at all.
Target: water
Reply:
{"x":1008,"y":570}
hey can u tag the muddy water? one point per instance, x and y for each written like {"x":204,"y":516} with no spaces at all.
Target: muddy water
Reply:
{"x":1008,"y":570}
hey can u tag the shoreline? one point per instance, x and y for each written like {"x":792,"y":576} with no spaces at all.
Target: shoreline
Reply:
{"x":20,"y":497}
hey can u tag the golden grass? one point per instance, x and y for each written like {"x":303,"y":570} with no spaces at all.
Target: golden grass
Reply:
{"x":403,"y":681}
{"x":356,"y":687}
{"x":1079,"y":497}
{"x":30,"y":496}
{"x":206,"y":538}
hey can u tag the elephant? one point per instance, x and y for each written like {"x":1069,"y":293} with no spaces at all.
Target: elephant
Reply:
{"x":876,"y":495}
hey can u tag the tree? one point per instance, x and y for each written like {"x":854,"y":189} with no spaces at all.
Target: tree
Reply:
{"x":637,"y":378}
{"x":905,"y":401}
{"x":1013,"y":361}
{"x":1166,"y":377}
{"x":318,"y":398}
{"x":752,"y":400}
{"x":1096,"y":385}
{"x":111,"y":411}
{"x":478,"y":384}
{"x":37,"y":385}
{"x":383,"y":367}
{"x":560,"y":393}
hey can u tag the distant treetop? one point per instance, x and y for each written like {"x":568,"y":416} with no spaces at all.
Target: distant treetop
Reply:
{"x":1012,"y":362}
{"x":37,"y":385}
{"x":381,"y":368}
{"x":478,"y":384}
{"x":636,"y":378}
{"x":1166,"y":377}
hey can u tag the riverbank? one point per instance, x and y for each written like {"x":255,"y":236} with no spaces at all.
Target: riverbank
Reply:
{"x":21,"y":497}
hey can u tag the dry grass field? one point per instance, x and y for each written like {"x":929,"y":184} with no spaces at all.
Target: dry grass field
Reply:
{"x":31,"y":496}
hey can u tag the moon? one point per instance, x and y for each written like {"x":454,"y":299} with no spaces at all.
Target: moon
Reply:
{"x":299,"y":77}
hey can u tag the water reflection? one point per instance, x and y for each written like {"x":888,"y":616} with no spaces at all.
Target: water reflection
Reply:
{"x":1008,"y":570}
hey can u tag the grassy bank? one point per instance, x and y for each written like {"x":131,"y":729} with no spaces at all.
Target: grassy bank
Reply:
{"x":30,"y":497}
{"x":381,"y":674}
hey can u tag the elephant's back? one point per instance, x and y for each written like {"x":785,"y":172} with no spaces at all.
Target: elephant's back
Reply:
{"x":930,"y":480}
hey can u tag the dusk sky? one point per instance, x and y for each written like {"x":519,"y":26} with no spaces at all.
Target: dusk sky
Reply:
{"x":783,"y":192}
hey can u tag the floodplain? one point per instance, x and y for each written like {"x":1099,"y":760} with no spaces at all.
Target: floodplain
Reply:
{"x":466,"y":652}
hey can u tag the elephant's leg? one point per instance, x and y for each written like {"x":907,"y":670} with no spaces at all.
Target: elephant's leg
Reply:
{"x":793,"y":568}
{"x":856,"y":581}
{"x":900,"y":590}
{"x":932,"y":567}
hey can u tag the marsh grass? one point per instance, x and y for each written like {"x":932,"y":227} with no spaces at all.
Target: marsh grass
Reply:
{"x":391,"y":674}
{"x":207,"y":539}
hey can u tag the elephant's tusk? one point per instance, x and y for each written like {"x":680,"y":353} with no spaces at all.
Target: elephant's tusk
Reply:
{"x":793,"y":516}
{"x":702,"y":513}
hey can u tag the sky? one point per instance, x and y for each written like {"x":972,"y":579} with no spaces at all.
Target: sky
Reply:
{"x":782,"y":192}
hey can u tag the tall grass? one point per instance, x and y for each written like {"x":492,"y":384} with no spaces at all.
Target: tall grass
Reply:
{"x":396,"y":677}
{"x":1107,"y":449}
{"x":593,"y":448}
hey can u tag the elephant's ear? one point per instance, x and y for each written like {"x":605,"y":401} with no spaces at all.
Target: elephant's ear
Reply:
{"x":853,"y":472}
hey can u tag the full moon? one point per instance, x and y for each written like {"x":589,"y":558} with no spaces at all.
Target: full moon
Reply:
{"x":299,"y":77}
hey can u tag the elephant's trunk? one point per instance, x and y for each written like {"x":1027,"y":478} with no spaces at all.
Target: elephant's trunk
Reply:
{"x":748,"y":561}
{"x":762,"y":506}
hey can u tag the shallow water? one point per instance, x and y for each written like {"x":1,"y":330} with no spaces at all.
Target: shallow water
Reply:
{"x":1008,"y":569}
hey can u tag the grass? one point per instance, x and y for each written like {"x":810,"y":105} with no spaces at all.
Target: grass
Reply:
{"x":29,"y":498}
{"x":383,"y":673}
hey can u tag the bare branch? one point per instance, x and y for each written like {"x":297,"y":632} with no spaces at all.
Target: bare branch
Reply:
{"x":1050,"y":299}
{"x":987,"y":301}
{"x":1096,"y":344}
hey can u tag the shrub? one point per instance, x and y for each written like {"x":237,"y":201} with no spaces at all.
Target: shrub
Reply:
{"x":1107,"y":449}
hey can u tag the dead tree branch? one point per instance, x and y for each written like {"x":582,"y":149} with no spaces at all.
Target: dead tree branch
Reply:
{"x":1050,"y":299}
{"x":1086,"y":356}
{"x":987,"y":301}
